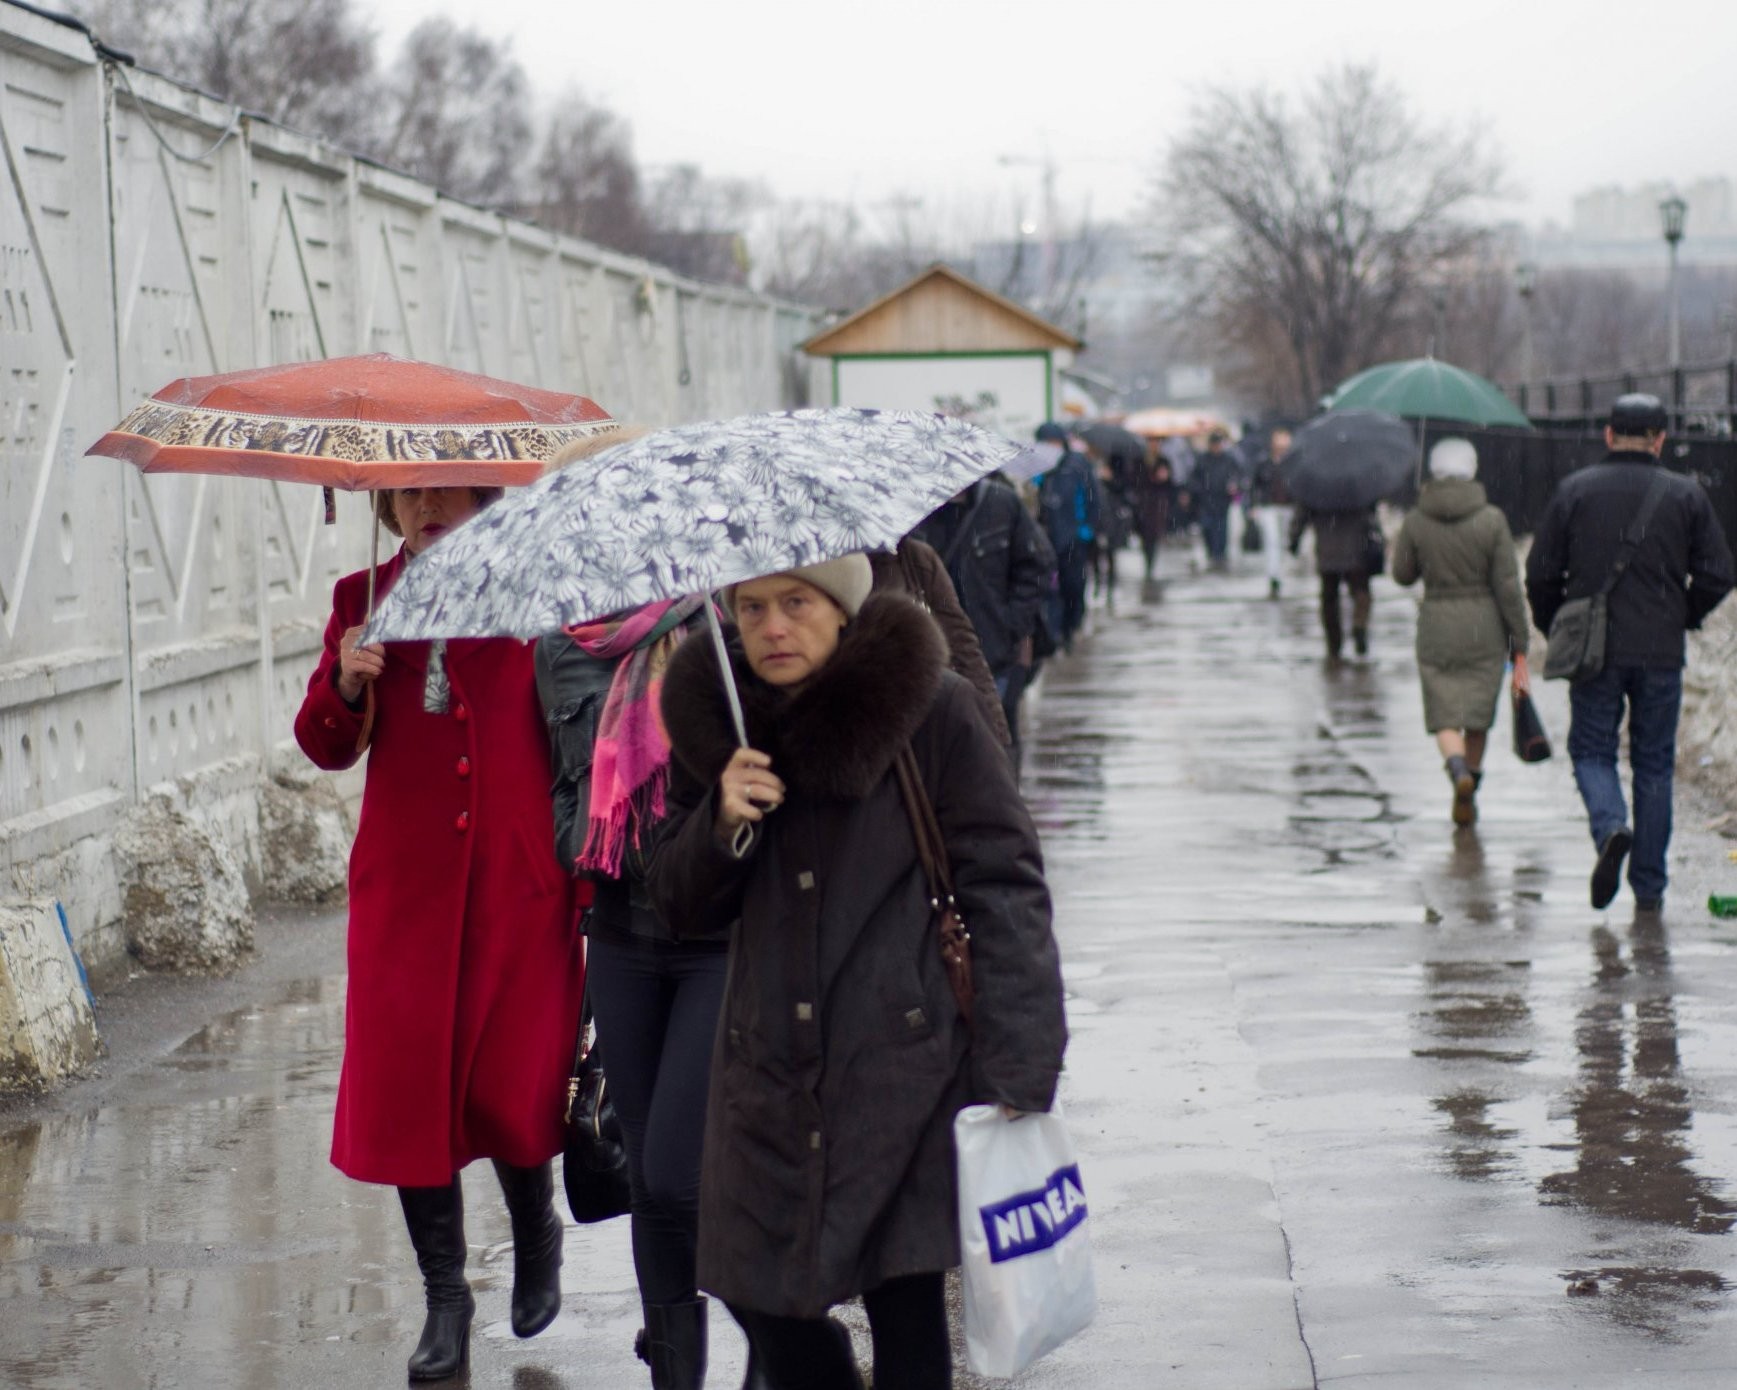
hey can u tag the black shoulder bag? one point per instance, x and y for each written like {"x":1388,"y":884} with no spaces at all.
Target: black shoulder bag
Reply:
{"x":593,"y":1157}
{"x":1577,"y":632}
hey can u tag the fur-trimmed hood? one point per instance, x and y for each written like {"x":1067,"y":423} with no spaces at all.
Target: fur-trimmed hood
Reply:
{"x":838,"y":735}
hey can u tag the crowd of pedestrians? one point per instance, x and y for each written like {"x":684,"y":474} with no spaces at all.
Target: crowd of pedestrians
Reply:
{"x":743,"y":908}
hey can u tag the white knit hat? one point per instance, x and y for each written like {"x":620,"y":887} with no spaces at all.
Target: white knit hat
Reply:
{"x":1454,"y":458}
{"x":846,"y":581}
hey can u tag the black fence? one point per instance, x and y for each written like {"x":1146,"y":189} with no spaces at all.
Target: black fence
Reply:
{"x":1702,"y":398}
{"x":1520,"y":468}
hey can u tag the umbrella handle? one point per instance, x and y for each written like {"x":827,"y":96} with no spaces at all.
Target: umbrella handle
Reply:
{"x":373,"y":562}
{"x":744,"y":836}
{"x":724,"y":668}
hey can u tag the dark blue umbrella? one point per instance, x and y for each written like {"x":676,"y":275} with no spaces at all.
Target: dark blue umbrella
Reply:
{"x":1347,"y":460}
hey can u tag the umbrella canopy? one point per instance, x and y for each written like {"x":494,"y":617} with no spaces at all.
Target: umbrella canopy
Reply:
{"x":684,"y":511}
{"x":1113,"y":441}
{"x":1346,"y":460}
{"x":1162,"y":422}
{"x":1425,"y":389}
{"x":1033,"y":461}
{"x":354,"y":422}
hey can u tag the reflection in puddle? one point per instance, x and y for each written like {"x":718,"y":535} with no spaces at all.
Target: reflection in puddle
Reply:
{"x":1648,"y":1300}
{"x":1633,"y":1108}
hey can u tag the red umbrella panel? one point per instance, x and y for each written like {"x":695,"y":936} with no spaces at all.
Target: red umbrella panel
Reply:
{"x":354,"y":422}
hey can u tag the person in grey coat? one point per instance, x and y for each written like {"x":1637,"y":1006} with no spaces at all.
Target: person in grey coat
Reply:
{"x":1473,"y":615}
{"x":842,"y":1054}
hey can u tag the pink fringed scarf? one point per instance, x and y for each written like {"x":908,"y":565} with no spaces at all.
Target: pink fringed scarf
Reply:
{"x":630,"y":758}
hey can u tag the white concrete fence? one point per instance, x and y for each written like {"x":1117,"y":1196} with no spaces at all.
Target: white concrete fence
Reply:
{"x":156,"y":633}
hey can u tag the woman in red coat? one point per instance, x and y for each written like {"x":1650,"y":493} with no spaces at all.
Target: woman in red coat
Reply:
{"x":465,"y":968}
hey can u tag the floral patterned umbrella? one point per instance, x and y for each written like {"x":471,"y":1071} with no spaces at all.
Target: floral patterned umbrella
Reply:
{"x":687,"y":510}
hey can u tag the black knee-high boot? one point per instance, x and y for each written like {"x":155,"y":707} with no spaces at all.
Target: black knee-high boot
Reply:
{"x":537,"y":1233}
{"x":675,"y":1344}
{"x":435,"y":1218}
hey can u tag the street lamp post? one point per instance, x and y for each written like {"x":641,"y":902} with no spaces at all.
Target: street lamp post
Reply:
{"x":1672,"y":213}
{"x":1526,"y":281}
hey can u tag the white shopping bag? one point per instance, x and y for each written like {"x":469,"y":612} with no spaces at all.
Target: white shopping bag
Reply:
{"x":1025,"y":1238}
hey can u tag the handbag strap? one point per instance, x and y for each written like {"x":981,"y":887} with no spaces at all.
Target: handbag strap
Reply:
{"x":925,"y":829}
{"x":1635,"y":532}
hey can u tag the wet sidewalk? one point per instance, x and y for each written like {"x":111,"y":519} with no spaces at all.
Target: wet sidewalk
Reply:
{"x":1361,"y":1099}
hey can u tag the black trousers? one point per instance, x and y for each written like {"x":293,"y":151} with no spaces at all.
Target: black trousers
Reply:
{"x":907,"y":1318}
{"x":656,"y":1005}
{"x":1332,"y":617}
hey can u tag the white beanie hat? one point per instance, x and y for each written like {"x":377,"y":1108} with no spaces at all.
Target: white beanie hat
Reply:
{"x":1454,"y":458}
{"x":846,"y":581}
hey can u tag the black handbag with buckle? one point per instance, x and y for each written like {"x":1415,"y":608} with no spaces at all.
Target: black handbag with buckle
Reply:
{"x":593,"y":1157}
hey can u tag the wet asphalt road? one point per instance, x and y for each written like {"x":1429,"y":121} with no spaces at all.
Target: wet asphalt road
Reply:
{"x":1361,"y":1100}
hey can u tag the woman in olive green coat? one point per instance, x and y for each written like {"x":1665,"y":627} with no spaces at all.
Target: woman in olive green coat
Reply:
{"x":1473,"y":615}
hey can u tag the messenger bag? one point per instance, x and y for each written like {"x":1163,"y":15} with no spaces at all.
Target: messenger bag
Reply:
{"x":1577,"y":633}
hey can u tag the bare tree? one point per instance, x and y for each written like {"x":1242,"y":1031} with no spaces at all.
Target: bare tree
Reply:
{"x":1302,"y":235}
{"x":457,"y":113}
{"x":586,"y":181}
{"x":306,"y":64}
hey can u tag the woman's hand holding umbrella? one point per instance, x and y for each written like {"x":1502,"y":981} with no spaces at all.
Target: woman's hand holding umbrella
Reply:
{"x":747,"y":789}
{"x":358,"y":667}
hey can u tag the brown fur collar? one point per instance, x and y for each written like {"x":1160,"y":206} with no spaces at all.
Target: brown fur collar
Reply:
{"x":838,"y":735}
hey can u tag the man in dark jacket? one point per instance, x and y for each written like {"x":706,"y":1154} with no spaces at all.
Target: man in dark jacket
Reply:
{"x":1680,"y":570}
{"x":1001,"y":566}
{"x":1217,"y":477}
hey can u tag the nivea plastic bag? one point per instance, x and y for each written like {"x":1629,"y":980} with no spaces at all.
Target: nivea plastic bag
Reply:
{"x":1025,"y":1237}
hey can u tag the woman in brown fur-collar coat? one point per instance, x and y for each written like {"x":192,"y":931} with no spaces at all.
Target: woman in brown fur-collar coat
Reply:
{"x":842,"y":1057}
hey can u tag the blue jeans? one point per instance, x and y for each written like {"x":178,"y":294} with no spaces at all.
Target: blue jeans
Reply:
{"x":1215,"y":530}
{"x":1654,"y":696}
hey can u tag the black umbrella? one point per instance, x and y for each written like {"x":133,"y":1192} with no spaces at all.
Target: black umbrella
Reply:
{"x":1349,"y":459}
{"x":1112,"y":441}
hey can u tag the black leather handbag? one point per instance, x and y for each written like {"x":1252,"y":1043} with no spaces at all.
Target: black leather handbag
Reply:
{"x":594,"y":1159}
{"x":1531,"y":743}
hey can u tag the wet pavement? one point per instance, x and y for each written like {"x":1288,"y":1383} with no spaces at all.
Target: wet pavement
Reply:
{"x":1361,"y":1099}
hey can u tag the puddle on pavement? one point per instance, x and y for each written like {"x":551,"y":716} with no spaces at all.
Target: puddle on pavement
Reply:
{"x":195,"y":1219}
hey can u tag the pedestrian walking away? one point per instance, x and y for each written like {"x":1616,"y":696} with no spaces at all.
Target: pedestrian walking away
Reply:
{"x":1069,"y":504}
{"x":1347,"y":552}
{"x":916,"y":571}
{"x":655,"y":999}
{"x":844,"y":1055}
{"x":1003,"y":571}
{"x":465,"y":967}
{"x":1473,"y":616}
{"x":1649,"y":539}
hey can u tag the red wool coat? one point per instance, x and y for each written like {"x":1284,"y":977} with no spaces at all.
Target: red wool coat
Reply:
{"x":466,"y":967}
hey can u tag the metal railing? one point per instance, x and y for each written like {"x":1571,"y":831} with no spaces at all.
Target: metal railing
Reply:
{"x":1701,"y":397}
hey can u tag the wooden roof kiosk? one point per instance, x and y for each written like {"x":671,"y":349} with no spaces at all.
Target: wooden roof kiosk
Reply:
{"x":945,"y":343}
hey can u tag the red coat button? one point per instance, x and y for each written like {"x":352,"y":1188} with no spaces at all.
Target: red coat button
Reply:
{"x":462,"y":824}
{"x":463,"y":767}
{"x":460,"y":713}
{"x":330,"y":722}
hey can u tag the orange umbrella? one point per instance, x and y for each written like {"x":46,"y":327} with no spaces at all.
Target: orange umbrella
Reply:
{"x":354,"y":422}
{"x":1162,"y":422}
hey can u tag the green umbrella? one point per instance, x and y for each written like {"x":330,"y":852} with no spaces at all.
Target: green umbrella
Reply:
{"x":1425,"y":389}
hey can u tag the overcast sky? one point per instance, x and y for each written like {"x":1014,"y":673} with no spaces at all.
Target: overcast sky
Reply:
{"x":863,"y":101}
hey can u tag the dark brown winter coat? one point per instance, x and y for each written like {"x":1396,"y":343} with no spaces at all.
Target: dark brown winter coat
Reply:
{"x":916,"y":570}
{"x":841,"y":1057}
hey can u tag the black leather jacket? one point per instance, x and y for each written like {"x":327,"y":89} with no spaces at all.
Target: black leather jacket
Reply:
{"x":572,"y":686}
